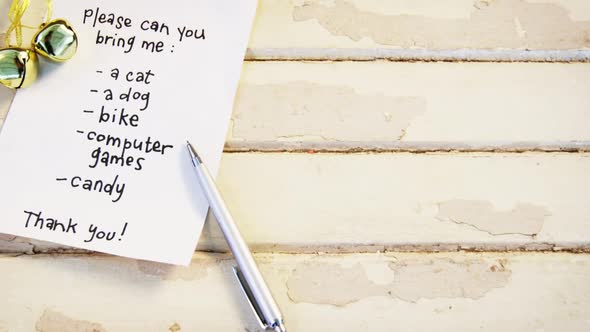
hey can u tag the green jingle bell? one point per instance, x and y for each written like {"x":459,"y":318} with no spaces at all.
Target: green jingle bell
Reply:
{"x":18,"y":67}
{"x":56,"y":40}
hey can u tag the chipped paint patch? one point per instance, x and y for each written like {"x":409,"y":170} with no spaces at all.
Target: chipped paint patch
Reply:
{"x":136,"y":271}
{"x":327,"y":283}
{"x":310,"y":106}
{"x":15,"y":244}
{"x":578,"y":10}
{"x":481,"y":4}
{"x":174,"y":328}
{"x":170,"y":272}
{"x":438,"y":278}
{"x":441,"y":9}
{"x":491,"y":25}
{"x":334,"y":284}
{"x":53,"y":321}
{"x":525,"y":219}
{"x":7,"y":237}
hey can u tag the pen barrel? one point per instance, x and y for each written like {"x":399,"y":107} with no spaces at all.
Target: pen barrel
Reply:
{"x":239,"y":248}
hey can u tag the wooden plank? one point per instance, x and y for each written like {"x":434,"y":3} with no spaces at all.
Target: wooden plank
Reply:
{"x":408,"y":106}
{"x":484,"y":201}
{"x":357,"y":292}
{"x":402,"y":201}
{"x":473,"y":30}
{"x":347,"y":105}
{"x":500,"y":30}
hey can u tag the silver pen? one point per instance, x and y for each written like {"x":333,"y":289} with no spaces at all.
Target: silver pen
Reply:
{"x":247,"y":273}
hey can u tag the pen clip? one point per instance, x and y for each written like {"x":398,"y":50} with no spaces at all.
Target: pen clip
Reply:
{"x":248,"y":293}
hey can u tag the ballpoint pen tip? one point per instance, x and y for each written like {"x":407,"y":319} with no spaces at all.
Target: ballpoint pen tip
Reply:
{"x":193,"y":153}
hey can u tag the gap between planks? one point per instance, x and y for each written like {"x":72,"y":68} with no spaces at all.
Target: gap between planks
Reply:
{"x":404,"y":147}
{"x":421,"y":55}
{"x":37,"y":248}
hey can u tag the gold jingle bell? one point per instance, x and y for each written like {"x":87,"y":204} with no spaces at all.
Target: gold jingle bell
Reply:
{"x":56,"y":40}
{"x":18,"y":67}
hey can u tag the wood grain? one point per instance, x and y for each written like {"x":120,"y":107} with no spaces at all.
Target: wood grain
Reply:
{"x":356,"y":292}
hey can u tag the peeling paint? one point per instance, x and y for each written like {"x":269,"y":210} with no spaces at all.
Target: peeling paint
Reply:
{"x":327,"y":283}
{"x":412,"y":280}
{"x":7,"y":237}
{"x":524,"y":219}
{"x":480,"y":4}
{"x":308,"y":112}
{"x":520,"y":32}
{"x":136,"y":271}
{"x":446,"y":278}
{"x":491,"y":25}
{"x":53,"y":321}
{"x":14,"y":244}
{"x":174,"y":328}
{"x":195,"y":271}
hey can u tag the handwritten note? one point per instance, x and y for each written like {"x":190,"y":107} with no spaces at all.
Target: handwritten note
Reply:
{"x":93,"y":155}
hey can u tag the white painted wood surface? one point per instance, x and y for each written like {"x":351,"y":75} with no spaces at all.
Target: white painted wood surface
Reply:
{"x":368,"y":202}
{"x":426,"y":106}
{"x":493,"y":30}
{"x":363,"y":155}
{"x":356,"y":292}
{"x":399,"y":199}
{"x":450,"y":30}
{"x":415,"y":106}
{"x":381,"y":105}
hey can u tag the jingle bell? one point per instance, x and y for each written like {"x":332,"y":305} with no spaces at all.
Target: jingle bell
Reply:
{"x":18,"y":67}
{"x":56,"y":40}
